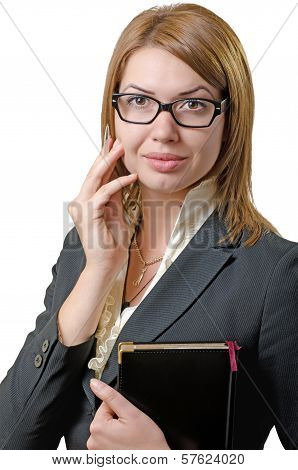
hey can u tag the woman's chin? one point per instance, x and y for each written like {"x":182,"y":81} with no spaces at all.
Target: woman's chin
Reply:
{"x":161,"y":184}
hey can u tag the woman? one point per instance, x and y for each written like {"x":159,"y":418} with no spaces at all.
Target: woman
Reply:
{"x":162,"y":251}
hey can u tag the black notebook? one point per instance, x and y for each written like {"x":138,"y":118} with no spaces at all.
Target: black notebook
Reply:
{"x":188,"y":389}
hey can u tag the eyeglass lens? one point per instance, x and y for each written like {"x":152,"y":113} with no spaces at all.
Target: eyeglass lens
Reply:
{"x":191,"y":112}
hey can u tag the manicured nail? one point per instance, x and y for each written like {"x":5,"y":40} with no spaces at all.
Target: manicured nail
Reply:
{"x":107,"y":133}
{"x":96,"y":383}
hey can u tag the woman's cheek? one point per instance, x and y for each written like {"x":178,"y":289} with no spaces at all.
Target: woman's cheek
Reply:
{"x":130,"y":166}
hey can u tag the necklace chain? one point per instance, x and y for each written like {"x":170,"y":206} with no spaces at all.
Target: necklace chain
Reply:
{"x":127,"y":302}
{"x":139,"y":279}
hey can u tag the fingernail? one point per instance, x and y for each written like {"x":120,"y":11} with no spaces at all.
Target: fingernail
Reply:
{"x":117,"y":143}
{"x":107,"y":133}
{"x":96,"y":383}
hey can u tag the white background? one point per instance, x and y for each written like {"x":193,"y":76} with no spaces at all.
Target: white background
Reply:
{"x":54,"y":57}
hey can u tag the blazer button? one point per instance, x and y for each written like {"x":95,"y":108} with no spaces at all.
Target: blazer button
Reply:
{"x":37,"y":360}
{"x":45,"y":345}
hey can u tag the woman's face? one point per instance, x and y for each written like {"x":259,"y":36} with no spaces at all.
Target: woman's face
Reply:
{"x":167,"y":76}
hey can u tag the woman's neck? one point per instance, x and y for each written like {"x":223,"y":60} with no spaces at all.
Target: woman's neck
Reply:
{"x":155,"y":229}
{"x":159,"y":214}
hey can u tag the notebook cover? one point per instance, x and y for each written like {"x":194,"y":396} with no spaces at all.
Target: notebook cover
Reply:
{"x":188,"y":389}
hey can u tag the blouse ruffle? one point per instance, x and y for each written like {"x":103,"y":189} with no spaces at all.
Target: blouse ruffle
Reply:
{"x":107,"y":332}
{"x":106,"y":336}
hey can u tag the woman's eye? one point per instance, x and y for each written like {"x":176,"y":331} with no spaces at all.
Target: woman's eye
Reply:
{"x":134,"y":98}
{"x":192,"y":105}
{"x":197,"y":104}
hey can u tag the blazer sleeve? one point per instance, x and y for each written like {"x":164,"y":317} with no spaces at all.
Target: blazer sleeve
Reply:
{"x":278,"y":348}
{"x":38,"y":389}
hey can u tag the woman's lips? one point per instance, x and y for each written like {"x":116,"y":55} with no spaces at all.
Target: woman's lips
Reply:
{"x":164,"y":165}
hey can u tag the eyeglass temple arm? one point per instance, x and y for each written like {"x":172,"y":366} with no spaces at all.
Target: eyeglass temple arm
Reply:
{"x":225,"y":104}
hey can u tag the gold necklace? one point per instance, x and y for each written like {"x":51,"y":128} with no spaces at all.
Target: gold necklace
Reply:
{"x":145,"y":263}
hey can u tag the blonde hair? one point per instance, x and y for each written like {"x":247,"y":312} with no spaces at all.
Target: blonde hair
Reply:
{"x":211,"y":48}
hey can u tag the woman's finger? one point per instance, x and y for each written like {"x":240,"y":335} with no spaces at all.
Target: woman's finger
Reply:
{"x":104,"y":413}
{"x":114,"y":400}
{"x":97,"y":172}
{"x":103,"y":195}
{"x":102,"y":158}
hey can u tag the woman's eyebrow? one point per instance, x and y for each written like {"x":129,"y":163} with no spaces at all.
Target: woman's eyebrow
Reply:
{"x":187,"y":92}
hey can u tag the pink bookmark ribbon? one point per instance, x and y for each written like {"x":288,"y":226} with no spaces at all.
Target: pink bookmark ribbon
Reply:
{"x":232,"y":346}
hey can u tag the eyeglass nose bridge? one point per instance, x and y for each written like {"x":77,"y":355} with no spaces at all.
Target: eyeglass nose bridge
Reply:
{"x":165,"y":107}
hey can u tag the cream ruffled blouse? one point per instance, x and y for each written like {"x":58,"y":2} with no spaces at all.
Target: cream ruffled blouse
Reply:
{"x":198,"y":205}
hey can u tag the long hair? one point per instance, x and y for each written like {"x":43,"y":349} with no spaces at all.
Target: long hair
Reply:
{"x":206,"y":43}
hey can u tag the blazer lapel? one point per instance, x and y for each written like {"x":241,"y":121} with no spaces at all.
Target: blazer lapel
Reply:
{"x":176,"y":289}
{"x":88,"y":375}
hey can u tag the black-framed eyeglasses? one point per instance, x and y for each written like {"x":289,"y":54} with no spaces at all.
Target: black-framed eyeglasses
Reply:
{"x":202,"y":114}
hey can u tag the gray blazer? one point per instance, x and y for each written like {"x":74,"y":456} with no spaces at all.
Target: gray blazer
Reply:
{"x":209,"y":293}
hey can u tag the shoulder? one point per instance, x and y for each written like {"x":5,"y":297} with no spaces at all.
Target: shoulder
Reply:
{"x":271,"y":262}
{"x":270,"y":249}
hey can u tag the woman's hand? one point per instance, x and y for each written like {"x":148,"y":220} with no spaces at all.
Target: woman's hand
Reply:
{"x":97,"y":212}
{"x":130,"y":429}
